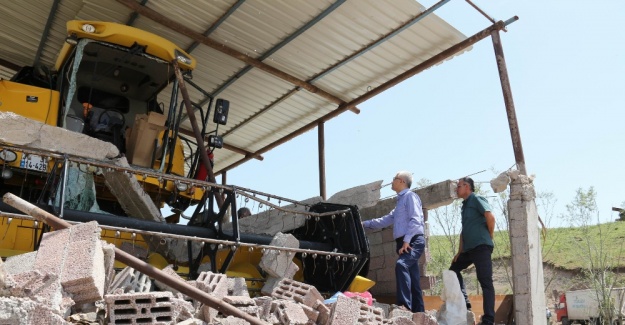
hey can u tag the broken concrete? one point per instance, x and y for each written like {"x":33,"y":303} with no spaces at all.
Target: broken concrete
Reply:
{"x":362,"y":196}
{"x":279,"y":264}
{"x":22,"y":131}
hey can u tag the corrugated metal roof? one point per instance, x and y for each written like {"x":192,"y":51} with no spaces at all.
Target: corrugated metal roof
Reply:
{"x":254,"y":28}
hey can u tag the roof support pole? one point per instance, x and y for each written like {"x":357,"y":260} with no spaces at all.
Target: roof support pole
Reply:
{"x":322,"y":160}
{"x":196,"y":130}
{"x":507,"y":97}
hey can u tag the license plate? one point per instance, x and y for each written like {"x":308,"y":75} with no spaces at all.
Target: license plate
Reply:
{"x":34,"y":162}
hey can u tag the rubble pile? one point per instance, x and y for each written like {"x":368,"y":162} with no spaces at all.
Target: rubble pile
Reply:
{"x":70,"y":279}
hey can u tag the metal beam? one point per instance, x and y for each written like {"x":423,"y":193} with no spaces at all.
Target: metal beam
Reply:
{"x":134,"y":15}
{"x":10,"y":65}
{"x":182,"y":29}
{"x":46,"y":31}
{"x":509,"y":102}
{"x":217,"y":23}
{"x":444,"y":55}
{"x":321,"y":141}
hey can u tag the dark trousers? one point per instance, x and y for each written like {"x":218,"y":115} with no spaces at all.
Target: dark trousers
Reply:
{"x":480,"y":256}
{"x":409,"y":293}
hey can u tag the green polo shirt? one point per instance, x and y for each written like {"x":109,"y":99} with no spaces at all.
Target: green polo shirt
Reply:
{"x":474,"y":229}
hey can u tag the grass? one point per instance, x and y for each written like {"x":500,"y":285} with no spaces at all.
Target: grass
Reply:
{"x":566,"y":248}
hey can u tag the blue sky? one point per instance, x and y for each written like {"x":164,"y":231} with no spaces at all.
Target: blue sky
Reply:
{"x":566,"y":62}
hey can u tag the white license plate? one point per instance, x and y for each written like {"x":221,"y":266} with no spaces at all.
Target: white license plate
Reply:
{"x":34,"y":162}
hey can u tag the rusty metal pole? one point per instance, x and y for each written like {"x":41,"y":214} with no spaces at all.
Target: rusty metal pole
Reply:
{"x":196,"y":130}
{"x":322,"y":160}
{"x":136,"y":263}
{"x":507,"y":97}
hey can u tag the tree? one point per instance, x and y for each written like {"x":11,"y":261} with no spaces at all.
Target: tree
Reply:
{"x":596,"y":246}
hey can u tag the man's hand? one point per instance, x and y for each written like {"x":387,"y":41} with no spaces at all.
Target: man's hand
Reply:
{"x":405,"y":248}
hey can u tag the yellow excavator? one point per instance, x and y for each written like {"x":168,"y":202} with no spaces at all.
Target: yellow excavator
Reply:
{"x":110,"y":83}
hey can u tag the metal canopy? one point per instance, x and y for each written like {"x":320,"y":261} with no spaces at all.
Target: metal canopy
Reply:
{"x":283,"y":65}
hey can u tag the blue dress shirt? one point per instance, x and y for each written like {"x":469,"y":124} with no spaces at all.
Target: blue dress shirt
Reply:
{"x":406,"y":218}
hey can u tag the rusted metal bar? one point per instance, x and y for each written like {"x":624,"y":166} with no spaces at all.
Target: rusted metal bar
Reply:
{"x":391,"y":83}
{"x":135,"y":263}
{"x":492,"y":20}
{"x":517,"y":146}
{"x":184,"y":30}
{"x":322,"y":160}
{"x":9,"y":65}
{"x":196,"y":130}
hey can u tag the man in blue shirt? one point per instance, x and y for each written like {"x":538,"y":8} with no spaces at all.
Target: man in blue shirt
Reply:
{"x":476,"y":245}
{"x":407,"y":221}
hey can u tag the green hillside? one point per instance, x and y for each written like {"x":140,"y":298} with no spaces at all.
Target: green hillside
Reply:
{"x":566,"y":248}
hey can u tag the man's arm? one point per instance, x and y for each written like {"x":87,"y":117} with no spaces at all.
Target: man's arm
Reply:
{"x":381,"y":222}
{"x":490,"y":223}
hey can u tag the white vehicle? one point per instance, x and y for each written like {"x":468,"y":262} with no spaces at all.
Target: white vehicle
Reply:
{"x":581,"y":306}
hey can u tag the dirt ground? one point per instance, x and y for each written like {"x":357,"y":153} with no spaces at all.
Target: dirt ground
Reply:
{"x":555,"y":279}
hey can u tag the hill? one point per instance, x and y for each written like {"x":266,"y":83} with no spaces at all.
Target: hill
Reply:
{"x":568,"y":253}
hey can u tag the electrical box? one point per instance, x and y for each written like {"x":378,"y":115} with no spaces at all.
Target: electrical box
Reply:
{"x":222,"y":107}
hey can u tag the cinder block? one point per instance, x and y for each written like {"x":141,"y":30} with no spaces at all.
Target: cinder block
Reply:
{"x":279,"y":263}
{"x":384,"y":307}
{"x":140,"y":308}
{"x":270,"y":284}
{"x":370,"y":314}
{"x":109,"y":263}
{"x":83,"y":274}
{"x":324,"y":312}
{"x":297,"y":291}
{"x":397,"y":312}
{"x":401,"y":320}
{"x":169,"y":270}
{"x":289,"y":312}
{"x":215,"y":284}
{"x":129,"y":280}
{"x":237,"y":287}
{"x":437,"y":195}
{"x":134,"y":250}
{"x":264,"y":305}
{"x":427,"y":282}
{"x":52,"y":251}
{"x":20,"y":263}
{"x":183,"y":309}
{"x":345,"y":311}
{"x":427,"y":319}
{"x":18,"y":311}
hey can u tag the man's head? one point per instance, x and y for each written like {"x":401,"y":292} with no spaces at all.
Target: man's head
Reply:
{"x":244,"y":212}
{"x":465,"y":187}
{"x":401,"y":181}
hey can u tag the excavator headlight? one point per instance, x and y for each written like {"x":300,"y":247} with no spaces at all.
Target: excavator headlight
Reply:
{"x":182,"y":58}
{"x":8,"y":155}
{"x":182,"y":186}
{"x":88,"y":28}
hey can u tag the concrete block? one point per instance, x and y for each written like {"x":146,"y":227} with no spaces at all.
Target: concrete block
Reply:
{"x":84,"y":274}
{"x":169,"y":270}
{"x":140,"y":308}
{"x":426,"y":319}
{"x":128,"y":280}
{"x":297,"y":291}
{"x":370,"y":314}
{"x":237,"y":287}
{"x":109,"y":263}
{"x":401,"y":320}
{"x":20,"y":130}
{"x":324,"y":313}
{"x":134,"y":250}
{"x":18,"y":311}
{"x":345,"y":311}
{"x":384,"y":307}
{"x":274,"y":221}
{"x":470,"y":318}
{"x":20,"y":263}
{"x":52,"y":251}
{"x":398,"y":311}
{"x":192,"y":321}
{"x":427,"y":282}
{"x":215,"y":284}
{"x":182,"y":309}
{"x":437,"y":195}
{"x":279,"y":264}
{"x":264,"y":305}
{"x":289,"y":312}
{"x":362,"y":196}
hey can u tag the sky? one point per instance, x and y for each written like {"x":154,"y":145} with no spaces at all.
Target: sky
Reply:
{"x":566,"y":63}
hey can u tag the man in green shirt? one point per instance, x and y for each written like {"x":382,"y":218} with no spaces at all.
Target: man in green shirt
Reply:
{"x":476,"y":245}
